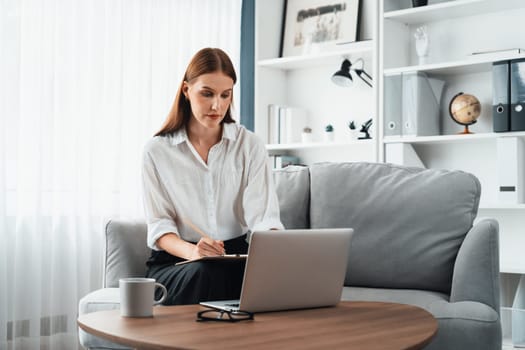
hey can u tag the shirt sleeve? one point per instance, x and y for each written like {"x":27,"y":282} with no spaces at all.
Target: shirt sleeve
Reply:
{"x":158,"y":210}
{"x":260,"y":203}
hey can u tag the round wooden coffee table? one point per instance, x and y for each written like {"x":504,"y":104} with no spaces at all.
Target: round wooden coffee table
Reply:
{"x":349,"y":325}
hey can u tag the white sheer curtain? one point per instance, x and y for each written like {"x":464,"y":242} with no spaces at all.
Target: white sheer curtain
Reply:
{"x":83,"y":85}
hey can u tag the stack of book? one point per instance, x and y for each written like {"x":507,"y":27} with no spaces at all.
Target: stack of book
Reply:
{"x":285,"y":124}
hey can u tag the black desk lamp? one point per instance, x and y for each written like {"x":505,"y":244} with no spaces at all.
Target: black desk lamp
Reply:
{"x":343,"y":77}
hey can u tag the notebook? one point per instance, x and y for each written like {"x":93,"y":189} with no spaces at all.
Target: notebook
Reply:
{"x":292,"y":269}
{"x":226,"y":257}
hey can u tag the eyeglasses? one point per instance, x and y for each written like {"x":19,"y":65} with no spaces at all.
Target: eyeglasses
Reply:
{"x":224,"y":316}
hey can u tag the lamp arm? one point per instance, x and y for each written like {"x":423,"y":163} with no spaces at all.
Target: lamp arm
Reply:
{"x":362,"y":71}
{"x":365,"y":73}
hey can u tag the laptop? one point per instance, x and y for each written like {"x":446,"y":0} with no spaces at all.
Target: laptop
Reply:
{"x":292,"y":269}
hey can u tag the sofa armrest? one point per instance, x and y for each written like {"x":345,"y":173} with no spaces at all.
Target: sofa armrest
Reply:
{"x":476,"y":271}
{"x":98,"y":300}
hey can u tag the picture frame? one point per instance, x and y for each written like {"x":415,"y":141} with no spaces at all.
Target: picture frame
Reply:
{"x":311,"y":26}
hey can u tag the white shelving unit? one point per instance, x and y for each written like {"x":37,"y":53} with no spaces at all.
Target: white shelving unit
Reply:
{"x":456,"y":30}
{"x":304,"y":82}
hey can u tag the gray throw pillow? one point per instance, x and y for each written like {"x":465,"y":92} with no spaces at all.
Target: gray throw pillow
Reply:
{"x":409,"y":222}
{"x":293,"y":190}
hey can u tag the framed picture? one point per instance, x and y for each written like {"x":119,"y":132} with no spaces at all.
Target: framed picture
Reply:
{"x":318,"y":25}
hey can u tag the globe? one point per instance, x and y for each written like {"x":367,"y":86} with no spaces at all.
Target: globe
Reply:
{"x":465,"y":110}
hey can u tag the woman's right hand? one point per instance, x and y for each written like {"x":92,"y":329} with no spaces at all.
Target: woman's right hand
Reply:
{"x":208,"y":247}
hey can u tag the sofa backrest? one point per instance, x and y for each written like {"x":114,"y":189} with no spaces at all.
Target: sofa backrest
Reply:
{"x":409,"y":222}
{"x":126,"y":251}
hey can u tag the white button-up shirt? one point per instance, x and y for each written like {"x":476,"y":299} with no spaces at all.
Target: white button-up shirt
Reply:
{"x":225,"y":198}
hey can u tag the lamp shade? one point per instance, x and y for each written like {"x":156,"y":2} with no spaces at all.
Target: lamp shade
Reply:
{"x":342,"y":77}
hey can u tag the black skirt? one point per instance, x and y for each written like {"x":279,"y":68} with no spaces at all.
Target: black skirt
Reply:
{"x":199,"y":281}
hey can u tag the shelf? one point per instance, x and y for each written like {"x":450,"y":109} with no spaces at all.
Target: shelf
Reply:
{"x":452,"y":138}
{"x":472,"y":64}
{"x":300,"y":146}
{"x":364,"y":48}
{"x":511,"y":268}
{"x":501,"y":206}
{"x":451,"y":9}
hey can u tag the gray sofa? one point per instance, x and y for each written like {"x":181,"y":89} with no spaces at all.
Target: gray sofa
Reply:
{"x":414,"y":243}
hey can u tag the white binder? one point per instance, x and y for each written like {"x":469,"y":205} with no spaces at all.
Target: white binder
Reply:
{"x":420,"y":104}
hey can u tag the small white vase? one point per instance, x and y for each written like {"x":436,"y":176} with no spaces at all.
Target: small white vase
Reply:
{"x":306,"y":137}
{"x":329,"y":136}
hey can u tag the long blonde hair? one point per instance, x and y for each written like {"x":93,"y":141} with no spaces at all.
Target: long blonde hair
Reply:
{"x":207,"y":60}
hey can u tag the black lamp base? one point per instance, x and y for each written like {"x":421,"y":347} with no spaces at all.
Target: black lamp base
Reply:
{"x":417,"y":3}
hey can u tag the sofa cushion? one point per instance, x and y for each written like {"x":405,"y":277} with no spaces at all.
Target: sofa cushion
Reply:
{"x":421,"y":298}
{"x":409,"y":222}
{"x":126,"y":251}
{"x":462,"y":325}
{"x":292,"y":185}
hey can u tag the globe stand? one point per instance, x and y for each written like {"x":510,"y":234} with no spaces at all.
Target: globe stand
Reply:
{"x":465,"y":131}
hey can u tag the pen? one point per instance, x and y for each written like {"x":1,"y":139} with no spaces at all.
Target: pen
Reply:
{"x":195,"y":228}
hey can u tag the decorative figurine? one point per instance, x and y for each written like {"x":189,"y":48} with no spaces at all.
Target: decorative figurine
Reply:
{"x":364,"y":128}
{"x":421,"y":43}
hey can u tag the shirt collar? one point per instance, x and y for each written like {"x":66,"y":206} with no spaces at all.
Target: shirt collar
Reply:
{"x":229,"y":131}
{"x":179,"y":136}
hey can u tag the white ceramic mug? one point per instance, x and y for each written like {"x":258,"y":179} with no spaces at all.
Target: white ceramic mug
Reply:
{"x":137,"y":296}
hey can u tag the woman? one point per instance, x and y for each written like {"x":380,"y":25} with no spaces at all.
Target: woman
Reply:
{"x":206,"y":183}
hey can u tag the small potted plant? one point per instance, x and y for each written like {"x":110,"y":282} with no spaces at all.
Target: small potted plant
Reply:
{"x":329,"y":133}
{"x":306,"y":135}
{"x":354,"y":133}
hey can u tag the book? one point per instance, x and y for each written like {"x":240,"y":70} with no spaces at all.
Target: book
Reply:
{"x":294,"y":122}
{"x":274,"y":124}
{"x":285,"y":124}
{"x":226,"y":257}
